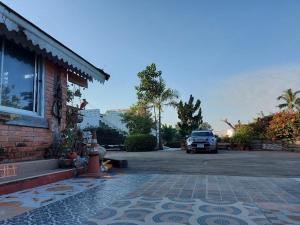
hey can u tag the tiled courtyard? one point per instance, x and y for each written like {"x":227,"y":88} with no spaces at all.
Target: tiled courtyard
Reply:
{"x":157,"y":199}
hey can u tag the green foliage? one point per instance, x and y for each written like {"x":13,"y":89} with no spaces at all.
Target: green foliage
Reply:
{"x":67,"y":138}
{"x":71,"y":140}
{"x":138,"y":123}
{"x":171,"y":136}
{"x":153,"y":93}
{"x":205,"y":126}
{"x":169,"y":133}
{"x":190,"y":116}
{"x":260,"y":126}
{"x":71,"y":117}
{"x":284,"y":126}
{"x":243,"y":135}
{"x":70,"y":96}
{"x":224,"y":139}
{"x":149,"y":88}
{"x":174,"y":144}
{"x":109,"y":136}
{"x":140,"y":143}
{"x":291,"y":101}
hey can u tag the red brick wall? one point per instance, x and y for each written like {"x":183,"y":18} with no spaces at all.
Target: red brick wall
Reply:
{"x":19,"y":143}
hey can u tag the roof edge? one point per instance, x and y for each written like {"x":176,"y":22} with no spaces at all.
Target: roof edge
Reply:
{"x":10,"y":10}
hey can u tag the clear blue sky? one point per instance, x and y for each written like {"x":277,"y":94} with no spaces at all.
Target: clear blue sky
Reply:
{"x":236,"y":56}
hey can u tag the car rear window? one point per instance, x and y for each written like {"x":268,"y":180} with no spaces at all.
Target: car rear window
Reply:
{"x":202,"y":134}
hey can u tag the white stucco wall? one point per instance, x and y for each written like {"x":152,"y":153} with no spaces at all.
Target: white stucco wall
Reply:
{"x":91,"y":118}
{"x":113,"y":118}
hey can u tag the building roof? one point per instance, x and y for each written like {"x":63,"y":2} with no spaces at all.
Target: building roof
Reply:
{"x":15,"y":27}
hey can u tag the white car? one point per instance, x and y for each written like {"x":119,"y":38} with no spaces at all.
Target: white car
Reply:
{"x":201,"y":141}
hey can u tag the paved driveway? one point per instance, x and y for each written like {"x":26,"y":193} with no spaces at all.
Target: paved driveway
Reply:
{"x":231,"y":163}
{"x":206,"y":200}
{"x":158,"y":200}
{"x":170,"y":188}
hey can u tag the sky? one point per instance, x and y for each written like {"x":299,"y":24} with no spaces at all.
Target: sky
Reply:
{"x":235,"y":56}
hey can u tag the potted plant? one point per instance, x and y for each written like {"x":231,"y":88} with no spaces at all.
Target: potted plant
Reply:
{"x":68,"y":139}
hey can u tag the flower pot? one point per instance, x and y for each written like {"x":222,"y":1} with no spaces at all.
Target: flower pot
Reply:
{"x":71,"y":155}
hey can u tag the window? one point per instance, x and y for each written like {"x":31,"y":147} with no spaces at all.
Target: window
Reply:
{"x":202,"y":134}
{"x":20,"y":80}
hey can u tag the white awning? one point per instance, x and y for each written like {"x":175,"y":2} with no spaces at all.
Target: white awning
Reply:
{"x":16,"y":27}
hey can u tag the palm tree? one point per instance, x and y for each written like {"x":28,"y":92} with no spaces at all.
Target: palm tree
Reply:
{"x":166,"y":97}
{"x":153,"y":93}
{"x":291,"y":101}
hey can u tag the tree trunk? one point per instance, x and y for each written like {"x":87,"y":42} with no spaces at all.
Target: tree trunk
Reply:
{"x":156,"y":130}
{"x":160,"y":147}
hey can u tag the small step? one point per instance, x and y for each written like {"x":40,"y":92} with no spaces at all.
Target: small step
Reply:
{"x":42,"y":178}
{"x":19,"y":170}
{"x":23,"y":175}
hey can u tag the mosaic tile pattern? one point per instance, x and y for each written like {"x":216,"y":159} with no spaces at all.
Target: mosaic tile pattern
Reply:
{"x":281,"y":213}
{"x":166,"y":199}
{"x":77,"y":208}
{"x":175,"y":212}
{"x":46,"y":194}
{"x":220,"y":191}
{"x":22,"y":201}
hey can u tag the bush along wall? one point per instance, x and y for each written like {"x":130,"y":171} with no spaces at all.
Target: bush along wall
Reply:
{"x":174,"y":144}
{"x":140,"y":143}
{"x":243,"y":137}
{"x":108,"y":136}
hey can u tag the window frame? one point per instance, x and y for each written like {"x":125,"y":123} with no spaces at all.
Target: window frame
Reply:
{"x":38,"y":87}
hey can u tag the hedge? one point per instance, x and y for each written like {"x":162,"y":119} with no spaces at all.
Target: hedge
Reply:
{"x":174,"y":144}
{"x":140,"y":143}
{"x":109,"y":136}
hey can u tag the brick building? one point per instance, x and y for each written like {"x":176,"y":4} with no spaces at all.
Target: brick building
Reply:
{"x":34,"y":70}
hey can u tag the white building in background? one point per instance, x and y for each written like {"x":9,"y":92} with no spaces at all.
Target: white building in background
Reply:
{"x":91,"y":118}
{"x":224,"y":133}
{"x":230,"y":132}
{"x":111,"y":118}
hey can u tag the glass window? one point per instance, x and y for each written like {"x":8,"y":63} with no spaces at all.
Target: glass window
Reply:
{"x":202,"y":134}
{"x":18,"y":78}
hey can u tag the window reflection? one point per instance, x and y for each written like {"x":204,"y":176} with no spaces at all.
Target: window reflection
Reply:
{"x":18,"y":75}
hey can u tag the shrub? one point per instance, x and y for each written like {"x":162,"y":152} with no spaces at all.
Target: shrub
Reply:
{"x":138,"y":123}
{"x":284,"y":126}
{"x":225,"y":139}
{"x":168,"y":133}
{"x":243,"y":135}
{"x":109,"y":136}
{"x":140,"y":143}
{"x":260,"y":127}
{"x":174,"y":144}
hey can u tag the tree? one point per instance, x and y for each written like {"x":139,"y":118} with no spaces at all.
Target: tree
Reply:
{"x":168,"y":133}
{"x":205,"y":126}
{"x":190,"y":116}
{"x":153,"y":93}
{"x":284,"y":126}
{"x":291,"y":101}
{"x":138,"y":122}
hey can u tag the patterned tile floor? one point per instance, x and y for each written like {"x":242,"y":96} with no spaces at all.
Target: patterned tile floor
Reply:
{"x":162,"y":199}
{"x":16,"y":203}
